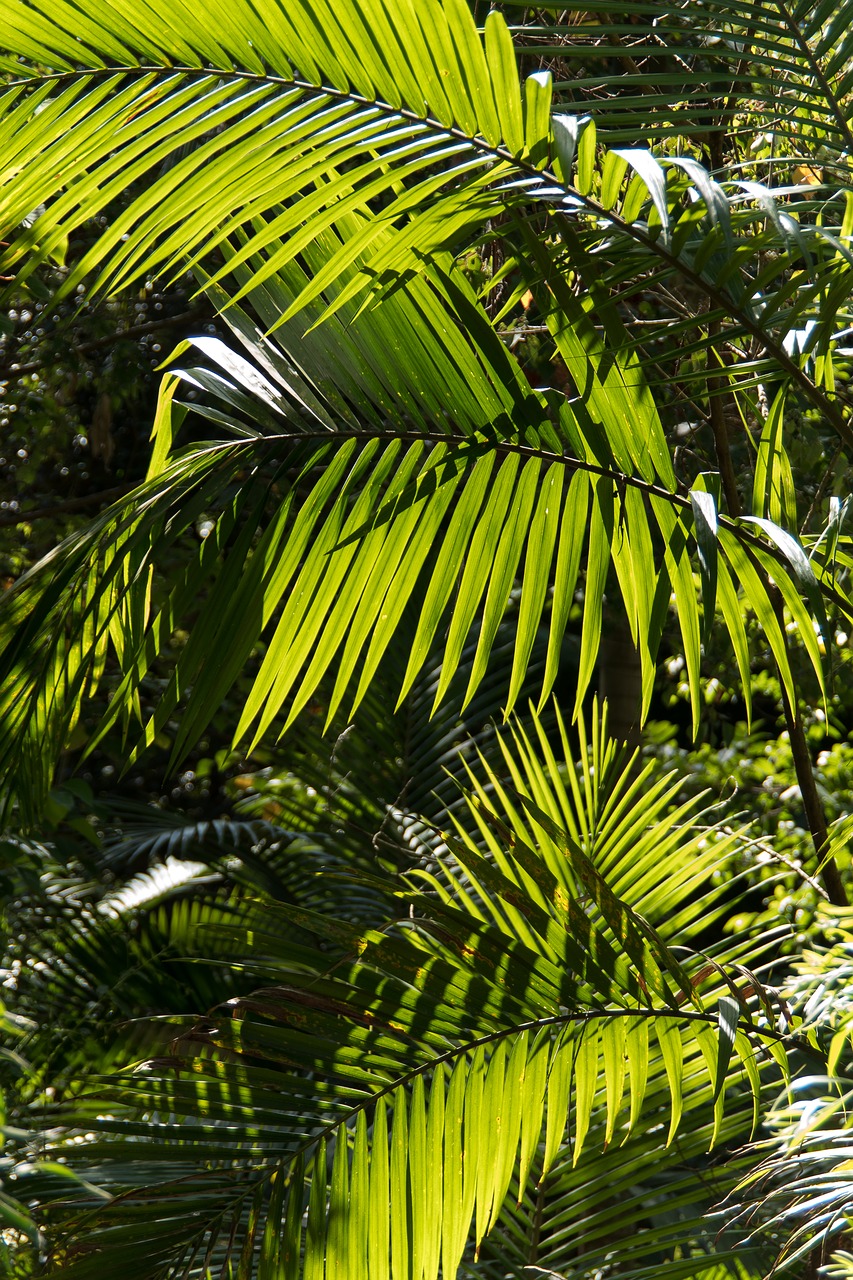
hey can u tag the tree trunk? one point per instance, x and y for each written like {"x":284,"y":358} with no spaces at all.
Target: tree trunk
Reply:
{"x":620,"y":678}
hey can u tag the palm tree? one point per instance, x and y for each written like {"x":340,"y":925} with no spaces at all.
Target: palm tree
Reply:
{"x":380,"y":468}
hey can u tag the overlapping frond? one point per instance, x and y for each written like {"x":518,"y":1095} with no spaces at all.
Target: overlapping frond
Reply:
{"x":394,"y":457}
{"x":370,"y":1115}
{"x":709,"y":71}
{"x":429,"y":481}
{"x":283,"y":135}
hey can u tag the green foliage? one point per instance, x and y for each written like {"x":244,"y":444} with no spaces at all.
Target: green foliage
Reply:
{"x":363,"y":507}
{"x":494,"y":981}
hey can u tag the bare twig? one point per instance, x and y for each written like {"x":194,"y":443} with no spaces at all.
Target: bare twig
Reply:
{"x":8,"y":518}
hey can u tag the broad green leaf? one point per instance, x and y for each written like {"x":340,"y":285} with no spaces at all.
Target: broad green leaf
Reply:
{"x":566,"y":132}
{"x":557,"y":1099}
{"x":532,"y":1105}
{"x":400,"y":1198}
{"x":598,"y":561}
{"x":494,"y":1137}
{"x":475,"y":1137}
{"x":418,"y":1158}
{"x":454,"y":1225}
{"x":612,"y":172}
{"x":681,"y":577}
{"x":500,"y":55}
{"x":434,"y":1186}
{"x":359,"y":1200}
{"x":541,"y":541}
{"x":614,"y":1057}
{"x":269,"y":1264}
{"x":315,"y":1230}
{"x":746,"y":1053}
{"x":637,"y":1049}
{"x":650,"y":170}
{"x":338,"y":1259}
{"x":705,"y":524}
{"x":586,"y":156}
{"x":504,"y":564}
{"x":802,"y":570}
{"x":537,"y":112}
{"x":569,"y":546}
{"x":510,"y":1121}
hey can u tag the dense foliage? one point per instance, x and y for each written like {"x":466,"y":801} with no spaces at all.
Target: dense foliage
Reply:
{"x":515,"y":374}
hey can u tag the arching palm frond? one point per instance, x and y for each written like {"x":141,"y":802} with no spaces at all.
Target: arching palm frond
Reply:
{"x":429,"y":477}
{"x":295,"y":123}
{"x":442,"y":1065}
{"x":279,"y":92}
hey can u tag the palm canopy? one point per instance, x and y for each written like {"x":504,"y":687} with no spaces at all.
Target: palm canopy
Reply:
{"x":411,"y":116}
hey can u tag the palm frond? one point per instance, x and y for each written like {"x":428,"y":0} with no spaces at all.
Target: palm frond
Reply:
{"x":434,"y":151}
{"x":274,"y":86}
{"x":352,"y":1085}
{"x":340,"y":526}
{"x":798,"y":1194}
{"x":692,"y":70}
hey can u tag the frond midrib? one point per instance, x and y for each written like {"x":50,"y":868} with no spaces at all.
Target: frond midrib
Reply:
{"x":281,"y":82}
{"x":543,"y":177}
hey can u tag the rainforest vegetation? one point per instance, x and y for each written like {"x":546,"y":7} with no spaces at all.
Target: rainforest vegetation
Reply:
{"x":425,"y":671}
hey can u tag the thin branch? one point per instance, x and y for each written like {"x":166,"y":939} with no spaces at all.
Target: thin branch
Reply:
{"x":815,"y":816}
{"x":71,"y":504}
{"x":775,"y":855}
{"x":826,"y":480}
{"x":8,"y":371}
{"x":812,"y":803}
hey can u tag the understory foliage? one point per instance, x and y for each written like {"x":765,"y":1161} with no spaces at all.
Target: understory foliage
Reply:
{"x":536,"y":329}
